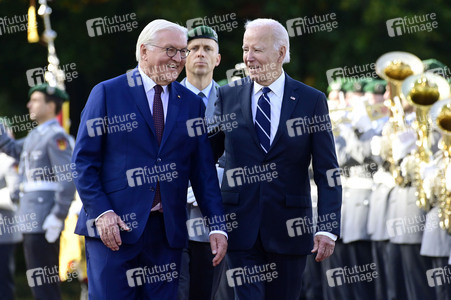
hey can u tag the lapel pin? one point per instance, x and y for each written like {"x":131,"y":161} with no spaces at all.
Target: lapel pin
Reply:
{"x":292,"y":98}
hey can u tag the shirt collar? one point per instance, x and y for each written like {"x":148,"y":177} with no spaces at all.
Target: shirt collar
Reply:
{"x":148,"y":83}
{"x":206,"y":91}
{"x":276,"y":87}
{"x":47,"y":123}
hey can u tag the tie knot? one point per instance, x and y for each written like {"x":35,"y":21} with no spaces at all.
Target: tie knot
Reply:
{"x":158,"y":89}
{"x":202,"y":95}
{"x":266,"y":90}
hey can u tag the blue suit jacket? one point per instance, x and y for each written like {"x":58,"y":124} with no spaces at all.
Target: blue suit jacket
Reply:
{"x":278,"y":206}
{"x":110,"y":160}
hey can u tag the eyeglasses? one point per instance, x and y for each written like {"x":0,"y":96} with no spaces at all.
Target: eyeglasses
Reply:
{"x":171,"y":51}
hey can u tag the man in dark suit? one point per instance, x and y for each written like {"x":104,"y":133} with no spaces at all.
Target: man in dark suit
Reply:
{"x":199,"y":279}
{"x":282,"y":125}
{"x":138,"y":146}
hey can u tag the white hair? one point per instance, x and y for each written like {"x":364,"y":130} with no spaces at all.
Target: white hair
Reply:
{"x":279,"y":34}
{"x":147,"y":36}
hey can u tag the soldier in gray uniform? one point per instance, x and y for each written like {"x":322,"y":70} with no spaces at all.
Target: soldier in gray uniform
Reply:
{"x":357,"y":182}
{"x":47,"y":188}
{"x":9,"y":231}
{"x":198,"y":278}
{"x":383,"y":184}
{"x":338,"y":90}
{"x":406,"y":221}
{"x":436,"y":242}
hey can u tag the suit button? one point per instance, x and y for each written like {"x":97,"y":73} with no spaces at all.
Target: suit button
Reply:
{"x":158,"y":159}
{"x":152,"y":189}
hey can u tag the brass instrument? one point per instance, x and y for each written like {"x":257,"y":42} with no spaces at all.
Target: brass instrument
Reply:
{"x":54,"y":76}
{"x":441,"y":116}
{"x":422,"y":91}
{"x":395,"y":67}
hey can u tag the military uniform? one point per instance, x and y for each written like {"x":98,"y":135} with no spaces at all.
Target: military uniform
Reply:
{"x":47,"y":188}
{"x":357,"y":190}
{"x":405,"y":224}
{"x":9,"y":233}
{"x":358,"y":167}
{"x":436,"y":242}
{"x":198,"y":279}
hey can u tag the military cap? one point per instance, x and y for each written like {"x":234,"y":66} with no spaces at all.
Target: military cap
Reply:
{"x":50,"y":91}
{"x":353,"y":85}
{"x":202,"y":32}
{"x":375,"y":86}
{"x":432,"y":63}
{"x":336,"y":85}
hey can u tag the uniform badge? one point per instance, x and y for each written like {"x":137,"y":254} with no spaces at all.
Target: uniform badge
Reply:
{"x":62,"y":144}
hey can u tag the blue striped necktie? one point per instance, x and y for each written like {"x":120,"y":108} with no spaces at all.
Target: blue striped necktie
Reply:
{"x":263,"y":120}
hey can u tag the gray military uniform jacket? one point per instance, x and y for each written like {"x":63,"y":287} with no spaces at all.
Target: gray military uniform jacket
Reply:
{"x":46,"y":173}
{"x":9,"y":179}
{"x":357,"y":184}
{"x":194,"y":211}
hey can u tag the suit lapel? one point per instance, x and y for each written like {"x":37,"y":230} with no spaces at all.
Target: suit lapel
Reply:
{"x":140,"y":98}
{"x":289,"y":101}
{"x":172,"y":113}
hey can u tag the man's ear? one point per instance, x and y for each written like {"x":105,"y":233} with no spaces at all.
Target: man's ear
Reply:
{"x":143,"y":50}
{"x":218,"y":60}
{"x":282,"y":53}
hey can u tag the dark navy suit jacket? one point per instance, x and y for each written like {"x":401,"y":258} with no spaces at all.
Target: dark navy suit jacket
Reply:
{"x":278,"y":206}
{"x":110,"y":160}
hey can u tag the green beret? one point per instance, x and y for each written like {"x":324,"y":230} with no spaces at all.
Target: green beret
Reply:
{"x":347,"y":86}
{"x":353,"y":85}
{"x":335,"y":85}
{"x":222,"y":82}
{"x":202,"y":32}
{"x":432,"y":63}
{"x":375,"y":87}
{"x":50,"y":91}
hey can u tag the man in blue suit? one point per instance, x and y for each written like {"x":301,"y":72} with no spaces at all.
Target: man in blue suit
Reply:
{"x":138,"y":145}
{"x":282,"y":126}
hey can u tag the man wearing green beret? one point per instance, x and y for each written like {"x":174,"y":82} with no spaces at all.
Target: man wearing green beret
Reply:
{"x":199,"y":279}
{"x":47,"y":188}
{"x":436,"y":242}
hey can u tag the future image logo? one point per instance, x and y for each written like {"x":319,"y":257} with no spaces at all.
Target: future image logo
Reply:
{"x":109,"y":25}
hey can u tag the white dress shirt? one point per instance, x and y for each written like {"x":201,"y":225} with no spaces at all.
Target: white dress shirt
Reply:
{"x":149,"y":85}
{"x":206,"y":91}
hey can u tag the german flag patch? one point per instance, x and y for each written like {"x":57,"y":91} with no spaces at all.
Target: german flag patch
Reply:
{"x":62,"y":144}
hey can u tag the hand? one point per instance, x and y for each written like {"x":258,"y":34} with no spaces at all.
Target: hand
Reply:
{"x":108,"y":227}
{"x":323,"y":246}
{"x":218,"y":244}
{"x":190,"y":199}
{"x":52,"y":226}
{"x":360,"y":118}
{"x":403,"y":144}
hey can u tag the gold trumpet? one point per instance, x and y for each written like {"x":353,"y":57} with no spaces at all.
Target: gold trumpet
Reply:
{"x":441,"y":116}
{"x":422,"y":91}
{"x":395,"y":67}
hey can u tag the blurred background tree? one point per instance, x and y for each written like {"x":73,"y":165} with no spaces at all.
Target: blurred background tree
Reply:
{"x":360,"y":38}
